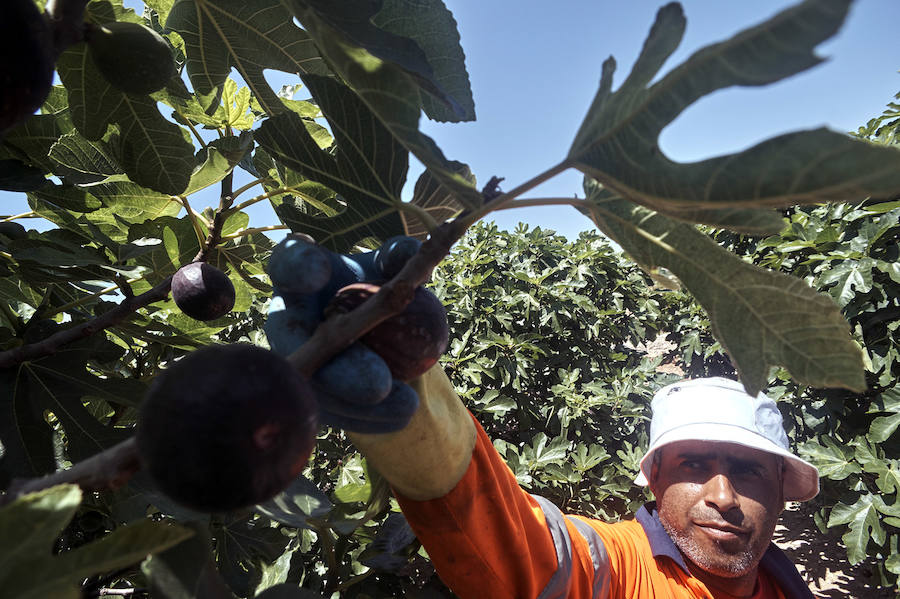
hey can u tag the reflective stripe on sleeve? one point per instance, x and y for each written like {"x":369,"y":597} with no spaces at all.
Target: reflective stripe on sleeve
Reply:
{"x":599,"y":557}
{"x":558,"y":585}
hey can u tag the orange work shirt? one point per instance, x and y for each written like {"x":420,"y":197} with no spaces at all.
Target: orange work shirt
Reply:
{"x":488,"y":538}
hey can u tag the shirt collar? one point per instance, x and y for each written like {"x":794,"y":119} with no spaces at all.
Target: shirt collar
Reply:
{"x":775,"y":563}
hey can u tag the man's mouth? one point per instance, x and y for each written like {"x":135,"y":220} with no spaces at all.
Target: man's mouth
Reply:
{"x":722,"y":531}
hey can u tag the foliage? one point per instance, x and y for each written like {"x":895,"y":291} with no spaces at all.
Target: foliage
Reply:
{"x":557,"y":346}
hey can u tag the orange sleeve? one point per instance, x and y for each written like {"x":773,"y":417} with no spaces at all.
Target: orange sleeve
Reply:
{"x":489,"y":538}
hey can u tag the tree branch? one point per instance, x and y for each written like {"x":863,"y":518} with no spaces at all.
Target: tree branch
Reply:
{"x":215,"y":231}
{"x":54,"y":342}
{"x":109,"y":469}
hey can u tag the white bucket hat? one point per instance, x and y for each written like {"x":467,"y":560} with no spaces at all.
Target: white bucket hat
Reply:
{"x":718,"y":409}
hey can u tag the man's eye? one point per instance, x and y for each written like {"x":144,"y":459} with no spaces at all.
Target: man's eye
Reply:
{"x":747,"y":470}
{"x":693,"y":464}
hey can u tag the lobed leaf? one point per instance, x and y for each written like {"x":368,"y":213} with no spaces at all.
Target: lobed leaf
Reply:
{"x":390,"y":94}
{"x":154,"y":152}
{"x":31,"y":524}
{"x":432,"y":27}
{"x":762,"y":318}
{"x":249,"y":36}
{"x":435,"y":199}
{"x":367,"y":168}
{"x":617,"y":143}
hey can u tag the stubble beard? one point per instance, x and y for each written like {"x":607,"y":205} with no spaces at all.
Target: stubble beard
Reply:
{"x":733,"y":566}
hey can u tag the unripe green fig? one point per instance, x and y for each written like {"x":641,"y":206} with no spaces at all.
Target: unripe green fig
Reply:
{"x":203,"y":292}
{"x":226,"y":427}
{"x":131,"y":57}
{"x":410,"y":342}
{"x":26,"y":61}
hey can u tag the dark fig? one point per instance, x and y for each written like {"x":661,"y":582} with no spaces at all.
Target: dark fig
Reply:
{"x":410,"y":342}
{"x":132,"y":57}
{"x":203,"y":292}
{"x":226,"y":427}
{"x":26,"y":61}
{"x":394,"y":253}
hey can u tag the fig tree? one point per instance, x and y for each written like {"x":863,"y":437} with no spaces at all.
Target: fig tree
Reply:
{"x":131,"y":57}
{"x":226,"y":427}
{"x":203,"y":292}
{"x":410,"y":342}
{"x":26,"y":61}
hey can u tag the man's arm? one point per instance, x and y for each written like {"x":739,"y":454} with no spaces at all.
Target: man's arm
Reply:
{"x":426,"y":459}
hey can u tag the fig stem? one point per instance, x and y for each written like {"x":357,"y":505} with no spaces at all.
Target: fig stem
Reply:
{"x":201,"y":238}
{"x":190,"y":126}
{"x":253,"y":230}
{"x":215,"y":231}
{"x":30,"y":214}
{"x":250,"y":185}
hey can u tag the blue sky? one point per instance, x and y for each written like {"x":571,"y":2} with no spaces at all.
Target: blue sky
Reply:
{"x":534,"y":72}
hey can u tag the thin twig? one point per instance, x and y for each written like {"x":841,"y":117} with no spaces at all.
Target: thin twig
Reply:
{"x":190,"y":126}
{"x":54,"y":342}
{"x":108,"y":469}
{"x":264,"y":196}
{"x":30,"y":214}
{"x":250,"y":185}
{"x":215,"y":230}
{"x":193,"y":218}
{"x":253,"y":230}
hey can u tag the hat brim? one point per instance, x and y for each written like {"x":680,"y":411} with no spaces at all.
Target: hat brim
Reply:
{"x":801,"y":479}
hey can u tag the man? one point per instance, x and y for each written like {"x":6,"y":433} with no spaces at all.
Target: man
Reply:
{"x":718,"y":465}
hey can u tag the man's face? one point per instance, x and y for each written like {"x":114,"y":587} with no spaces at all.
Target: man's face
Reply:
{"x":719,"y":502}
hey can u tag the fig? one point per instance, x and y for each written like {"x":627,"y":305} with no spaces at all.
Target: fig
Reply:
{"x":226,"y":427}
{"x":298,"y":265}
{"x":203,"y":292}
{"x":410,"y":342}
{"x":394,"y":253}
{"x":26,"y":61}
{"x":131,"y":57}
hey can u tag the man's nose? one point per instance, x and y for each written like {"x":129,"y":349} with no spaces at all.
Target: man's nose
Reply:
{"x":719,"y":492}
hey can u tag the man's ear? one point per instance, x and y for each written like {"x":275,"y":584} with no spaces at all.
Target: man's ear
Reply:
{"x":654,"y":470}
